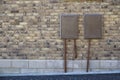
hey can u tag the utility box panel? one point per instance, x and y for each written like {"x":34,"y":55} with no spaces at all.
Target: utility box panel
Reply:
{"x":93,"y":24}
{"x":69,"y":26}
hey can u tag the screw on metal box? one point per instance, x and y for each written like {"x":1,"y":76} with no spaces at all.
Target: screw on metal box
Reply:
{"x":69,"y":30}
{"x":93,"y":24}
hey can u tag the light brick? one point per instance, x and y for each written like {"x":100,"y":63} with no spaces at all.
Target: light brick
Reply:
{"x":20,"y":64}
{"x":70,"y":64}
{"x":108,"y":64}
{"x":37,"y":64}
{"x":77,"y":64}
{"x":51,"y":64}
{"x":84,"y":63}
{"x":95,"y":64}
{"x":5,"y":63}
{"x":6,"y":70}
{"x":28,"y":71}
{"x":59,"y":64}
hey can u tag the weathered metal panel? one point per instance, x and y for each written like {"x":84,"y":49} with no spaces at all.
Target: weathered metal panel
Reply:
{"x":69,"y":26}
{"x":93,"y":24}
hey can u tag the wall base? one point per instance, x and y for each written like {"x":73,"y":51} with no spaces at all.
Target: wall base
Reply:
{"x":56,"y":66}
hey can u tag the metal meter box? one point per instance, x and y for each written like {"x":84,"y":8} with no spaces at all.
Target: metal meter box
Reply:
{"x":93,"y":24}
{"x":69,"y":26}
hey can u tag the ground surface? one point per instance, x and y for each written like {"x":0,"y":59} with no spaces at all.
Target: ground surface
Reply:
{"x":65,"y":77}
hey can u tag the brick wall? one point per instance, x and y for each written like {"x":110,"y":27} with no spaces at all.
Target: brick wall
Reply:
{"x":29,"y":29}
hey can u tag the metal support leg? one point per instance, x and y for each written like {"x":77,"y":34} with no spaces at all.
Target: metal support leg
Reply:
{"x":88,"y":55}
{"x":75,"y":49}
{"x":65,"y":55}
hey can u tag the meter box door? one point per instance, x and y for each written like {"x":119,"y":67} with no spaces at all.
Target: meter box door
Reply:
{"x":69,"y":26}
{"x":93,"y":24}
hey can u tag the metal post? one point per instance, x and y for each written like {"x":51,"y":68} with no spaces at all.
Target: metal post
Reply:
{"x":65,"y":55}
{"x":75,"y":49}
{"x":88,"y":55}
